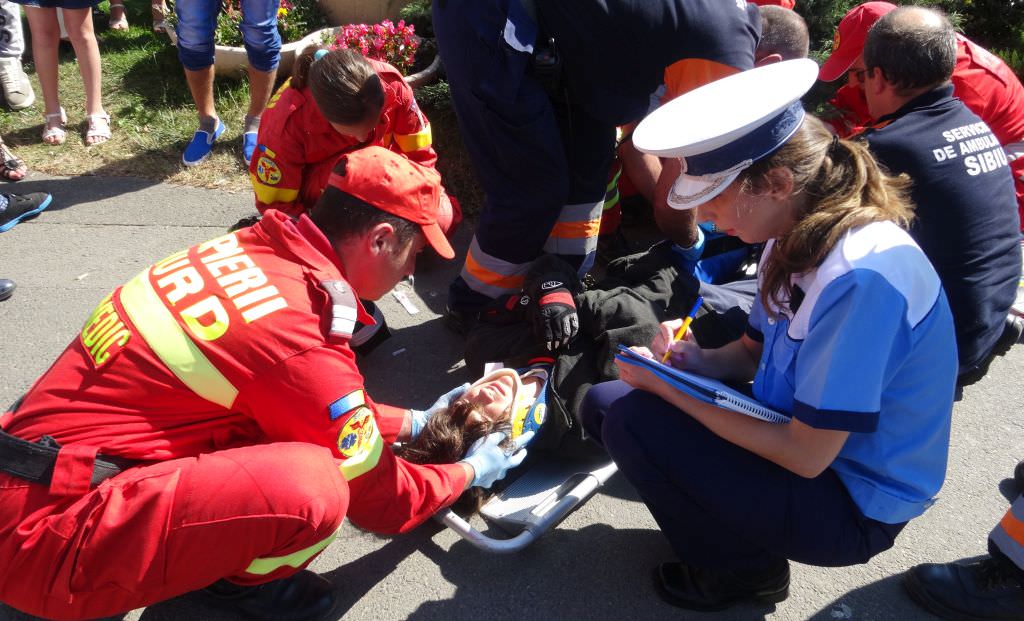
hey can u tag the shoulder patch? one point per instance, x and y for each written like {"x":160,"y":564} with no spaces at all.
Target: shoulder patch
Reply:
{"x":344,"y":405}
{"x":357,"y":434}
{"x":268,"y":171}
{"x":343,"y":307}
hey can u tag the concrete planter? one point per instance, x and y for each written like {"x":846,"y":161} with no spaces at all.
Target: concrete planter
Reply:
{"x":232,"y":61}
{"x":340,"y":12}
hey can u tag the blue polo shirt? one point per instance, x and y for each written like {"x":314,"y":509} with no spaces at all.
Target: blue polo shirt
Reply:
{"x":869,"y":349}
{"x":966,"y":217}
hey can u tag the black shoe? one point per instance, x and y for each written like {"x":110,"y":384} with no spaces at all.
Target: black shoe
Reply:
{"x":460,"y":322}
{"x":980,"y":590}
{"x":1018,"y":476}
{"x":303,"y":597}
{"x":694,"y":588}
{"x":244,"y":222}
{"x":6,"y":288}
{"x":22,"y":207}
{"x":365,"y":339}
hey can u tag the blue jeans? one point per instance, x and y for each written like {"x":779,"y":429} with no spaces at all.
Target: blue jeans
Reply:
{"x":197,"y":20}
{"x":719,"y":505}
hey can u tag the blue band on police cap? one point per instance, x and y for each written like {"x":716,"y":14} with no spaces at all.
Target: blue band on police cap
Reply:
{"x":755,"y":145}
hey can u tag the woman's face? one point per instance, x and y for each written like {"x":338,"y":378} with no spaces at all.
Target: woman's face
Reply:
{"x":754,"y":218}
{"x":493,"y":398}
{"x":360,"y":131}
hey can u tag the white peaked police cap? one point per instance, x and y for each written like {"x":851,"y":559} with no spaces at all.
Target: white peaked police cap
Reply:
{"x":723,"y":127}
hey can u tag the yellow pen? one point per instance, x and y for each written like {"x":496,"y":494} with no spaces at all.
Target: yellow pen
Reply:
{"x":681,"y":332}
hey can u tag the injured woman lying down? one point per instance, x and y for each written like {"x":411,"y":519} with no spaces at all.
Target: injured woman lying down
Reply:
{"x":511,"y":401}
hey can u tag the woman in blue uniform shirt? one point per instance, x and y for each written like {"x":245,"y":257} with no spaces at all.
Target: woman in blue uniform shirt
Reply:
{"x":851,"y":336}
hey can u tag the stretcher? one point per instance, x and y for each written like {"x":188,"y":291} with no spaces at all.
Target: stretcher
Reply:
{"x":544,"y":495}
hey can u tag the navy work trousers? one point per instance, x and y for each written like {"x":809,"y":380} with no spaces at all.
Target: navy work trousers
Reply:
{"x":532,"y":156}
{"x":719,"y":505}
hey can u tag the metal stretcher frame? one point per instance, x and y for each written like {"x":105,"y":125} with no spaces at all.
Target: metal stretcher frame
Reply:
{"x":555,"y":506}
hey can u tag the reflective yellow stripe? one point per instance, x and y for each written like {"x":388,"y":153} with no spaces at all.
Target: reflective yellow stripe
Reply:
{"x":366,"y":460}
{"x":264,"y":566}
{"x":269,"y":194}
{"x":171,"y":344}
{"x":414,"y":142}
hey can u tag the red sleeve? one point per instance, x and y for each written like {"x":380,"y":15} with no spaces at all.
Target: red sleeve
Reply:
{"x":276,"y":167}
{"x":317,"y":396}
{"x":412,"y":132}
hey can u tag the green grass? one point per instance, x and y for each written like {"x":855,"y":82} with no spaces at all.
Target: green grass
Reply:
{"x":153,"y":118}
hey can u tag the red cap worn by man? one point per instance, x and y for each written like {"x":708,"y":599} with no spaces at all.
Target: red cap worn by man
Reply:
{"x":209,"y":427}
{"x":980,"y":79}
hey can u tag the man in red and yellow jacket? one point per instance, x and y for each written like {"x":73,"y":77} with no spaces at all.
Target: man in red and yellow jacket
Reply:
{"x":209,"y":426}
{"x":980,"y":79}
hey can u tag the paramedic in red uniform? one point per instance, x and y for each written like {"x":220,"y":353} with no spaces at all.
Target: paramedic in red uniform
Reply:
{"x":980,"y":79}
{"x":209,"y":428}
{"x":335,"y":101}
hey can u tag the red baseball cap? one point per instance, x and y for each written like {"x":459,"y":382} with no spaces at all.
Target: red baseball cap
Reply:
{"x":392,"y":183}
{"x":851,"y":33}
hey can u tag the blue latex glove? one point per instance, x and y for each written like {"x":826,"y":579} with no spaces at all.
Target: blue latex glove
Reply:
{"x":420,"y":417}
{"x":490,"y":462}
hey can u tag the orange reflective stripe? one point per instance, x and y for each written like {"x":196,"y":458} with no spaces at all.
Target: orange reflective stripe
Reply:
{"x":1013,"y":527}
{"x":576,"y":230}
{"x":685,"y":75}
{"x":488,"y":277}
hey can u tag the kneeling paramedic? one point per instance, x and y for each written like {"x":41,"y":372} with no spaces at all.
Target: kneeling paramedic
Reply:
{"x":209,"y":427}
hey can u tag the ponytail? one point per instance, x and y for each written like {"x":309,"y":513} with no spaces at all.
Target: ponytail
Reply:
{"x":343,"y":84}
{"x":842,"y":188}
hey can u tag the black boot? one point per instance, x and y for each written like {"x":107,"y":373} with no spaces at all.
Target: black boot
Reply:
{"x":302,"y":597}
{"x":694,"y":588}
{"x":986,"y":589}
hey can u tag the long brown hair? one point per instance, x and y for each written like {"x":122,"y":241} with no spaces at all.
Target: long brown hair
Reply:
{"x":838,"y":186}
{"x":344,"y":85}
{"x":446,"y":438}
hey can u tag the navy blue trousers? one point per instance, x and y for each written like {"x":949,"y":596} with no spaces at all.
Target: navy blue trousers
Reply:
{"x":532,"y":156}
{"x":719,"y":505}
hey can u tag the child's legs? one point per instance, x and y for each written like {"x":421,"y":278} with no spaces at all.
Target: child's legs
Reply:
{"x":251,"y":514}
{"x":723,"y":507}
{"x":197,"y":21}
{"x":45,"y":42}
{"x":78,"y":23}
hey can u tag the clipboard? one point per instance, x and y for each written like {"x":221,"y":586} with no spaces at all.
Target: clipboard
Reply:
{"x":706,"y":389}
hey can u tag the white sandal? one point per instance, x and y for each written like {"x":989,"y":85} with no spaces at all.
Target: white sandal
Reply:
{"x":99,"y":127}
{"x":53,"y":128}
{"x":121,"y":23}
{"x":159,"y":12}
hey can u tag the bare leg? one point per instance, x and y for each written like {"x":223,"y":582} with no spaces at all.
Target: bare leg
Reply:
{"x":260,"y":85}
{"x":45,"y":40}
{"x":79,"y":25}
{"x":200,"y":83}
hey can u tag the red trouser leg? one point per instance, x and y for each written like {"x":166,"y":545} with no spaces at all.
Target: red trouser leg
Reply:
{"x":158,"y":531}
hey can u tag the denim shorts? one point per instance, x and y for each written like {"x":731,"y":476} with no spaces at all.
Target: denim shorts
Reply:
{"x":197,"y":21}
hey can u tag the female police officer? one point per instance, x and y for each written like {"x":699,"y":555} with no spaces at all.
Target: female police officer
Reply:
{"x":852,"y":337}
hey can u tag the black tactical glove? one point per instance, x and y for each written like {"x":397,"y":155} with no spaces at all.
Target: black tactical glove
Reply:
{"x":550,"y":286}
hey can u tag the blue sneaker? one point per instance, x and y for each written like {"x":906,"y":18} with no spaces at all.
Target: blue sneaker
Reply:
{"x":201,"y":145}
{"x":248,"y":146}
{"x":22,"y":207}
